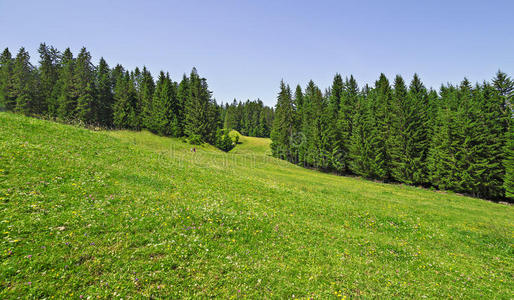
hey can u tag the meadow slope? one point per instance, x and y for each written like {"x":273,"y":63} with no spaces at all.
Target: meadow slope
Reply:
{"x":119,"y":214}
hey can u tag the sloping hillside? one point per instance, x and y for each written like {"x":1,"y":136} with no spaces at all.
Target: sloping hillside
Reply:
{"x":119,"y":214}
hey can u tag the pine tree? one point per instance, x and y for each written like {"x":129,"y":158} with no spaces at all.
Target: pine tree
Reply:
{"x":408,"y":141}
{"x":509,"y":160}
{"x":314,"y":152}
{"x":349,"y":99}
{"x":22,"y":81}
{"x":199,"y":111}
{"x":334,"y":134}
{"x":380,"y":101}
{"x":283,"y":124}
{"x":442,"y":159}
{"x":147,"y":90}
{"x":48,"y":76}
{"x":164,"y":102}
{"x":105,"y":99}
{"x":504,"y":86}
{"x":124,"y":96}
{"x":67,"y":99}
{"x":360,"y":151}
{"x":6,"y":65}
{"x":87,"y":106}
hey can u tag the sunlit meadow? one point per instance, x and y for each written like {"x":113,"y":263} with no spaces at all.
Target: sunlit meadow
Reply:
{"x":108,"y":214}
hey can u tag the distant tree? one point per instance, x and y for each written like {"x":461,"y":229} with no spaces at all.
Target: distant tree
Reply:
{"x":146,"y":92}
{"x":104,"y":95}
{"x":124,"y":115}
{"x":6,"y":94}
{"x":223,"y":140}
{"x":67,"y":93}
{"x":22,"y":82}
{"x":84,"y":79}
{"x":48,"y":76}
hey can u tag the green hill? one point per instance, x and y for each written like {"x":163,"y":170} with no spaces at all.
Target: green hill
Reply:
{"x":119,"y":214}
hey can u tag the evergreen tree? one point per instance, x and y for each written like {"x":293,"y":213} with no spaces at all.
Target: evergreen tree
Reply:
{"x":48,"y":76}
{"x":105,"y":99}
{"x":283,"y":124}
{"x":334,"y":134}
{"x":380,"y":101}
{"x":509,"y":160}
{"x":124,"y":96}
{"x":199,"y":111}
{"x":349,"y":99}
{"x":360,"y":152}
{"x":146,"y":91}
{"x":165,"y":121}
{"x":6,"y":94}
{"x":22,"y":81}
{"x":87,"y":106}
{"x":67,"y":99}
{"x":408,"y":142}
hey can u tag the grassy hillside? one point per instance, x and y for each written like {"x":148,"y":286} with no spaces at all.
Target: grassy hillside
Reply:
{"x":118,"y":214}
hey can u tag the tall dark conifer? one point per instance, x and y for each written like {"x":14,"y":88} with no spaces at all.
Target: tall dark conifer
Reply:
{"x":283,"y":124}
{"x":7,"y":100}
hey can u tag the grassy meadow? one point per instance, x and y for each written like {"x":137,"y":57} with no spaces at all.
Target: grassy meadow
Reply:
{"x":121,"y":214}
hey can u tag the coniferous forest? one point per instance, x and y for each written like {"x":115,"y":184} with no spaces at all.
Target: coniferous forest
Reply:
{"x":460,"y":138}
{"x":72,"y":89}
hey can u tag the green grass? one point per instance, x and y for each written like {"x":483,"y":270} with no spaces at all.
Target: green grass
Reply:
{"x":120,"y":214}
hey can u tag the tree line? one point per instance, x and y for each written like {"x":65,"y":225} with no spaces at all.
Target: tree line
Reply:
{"x":250,"y":118}
{"x":71,"y":89}
{"x":460,"y":138}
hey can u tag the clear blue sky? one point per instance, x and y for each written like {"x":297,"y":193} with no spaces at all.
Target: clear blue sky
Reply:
{"x":244,"y":48}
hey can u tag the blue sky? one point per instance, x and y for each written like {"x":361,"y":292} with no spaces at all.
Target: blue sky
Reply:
{"x":244,"y":48}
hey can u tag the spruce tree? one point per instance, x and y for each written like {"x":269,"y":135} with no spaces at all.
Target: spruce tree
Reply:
{"x":334,"y":134}
{"x":509,"y":160}
{"x":67,"y":95}
{"x":22,"y":82}
{"x":87,"y":106}
{"x":146,"y":92}
{"x":380,"y":101}
{"x":283,"y":124}
{"x":6,"y":95}
{"x":349,"y":99}
{"x":105,"y":99}
{"x":199,"y":111}
{"x":360,"y":151}
{"x":48,"y":76}
{"x":124,"y":96}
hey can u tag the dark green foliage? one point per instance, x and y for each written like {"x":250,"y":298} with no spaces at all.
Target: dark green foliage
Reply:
{"x":250,"y":118}
{"x":223,"y":140}
{"x":67,"y":100}
{"x":459,"y":140}
{"x":164,"y":120}
{"x":349,"y":99}
{"x":146,"y":92}
{"x":104,"y":96}
{"x":84,"y":80}
{"x":124,"y":113}
{"x":282,"y":124}
{"x":6,"y":65}
{"x":48,"y":75}
{"x":409,"y":139}
{"x":509,"y":161}
{"x":201,"y":113}
{"x":22,"y":83}
{"x":380,"y":103}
